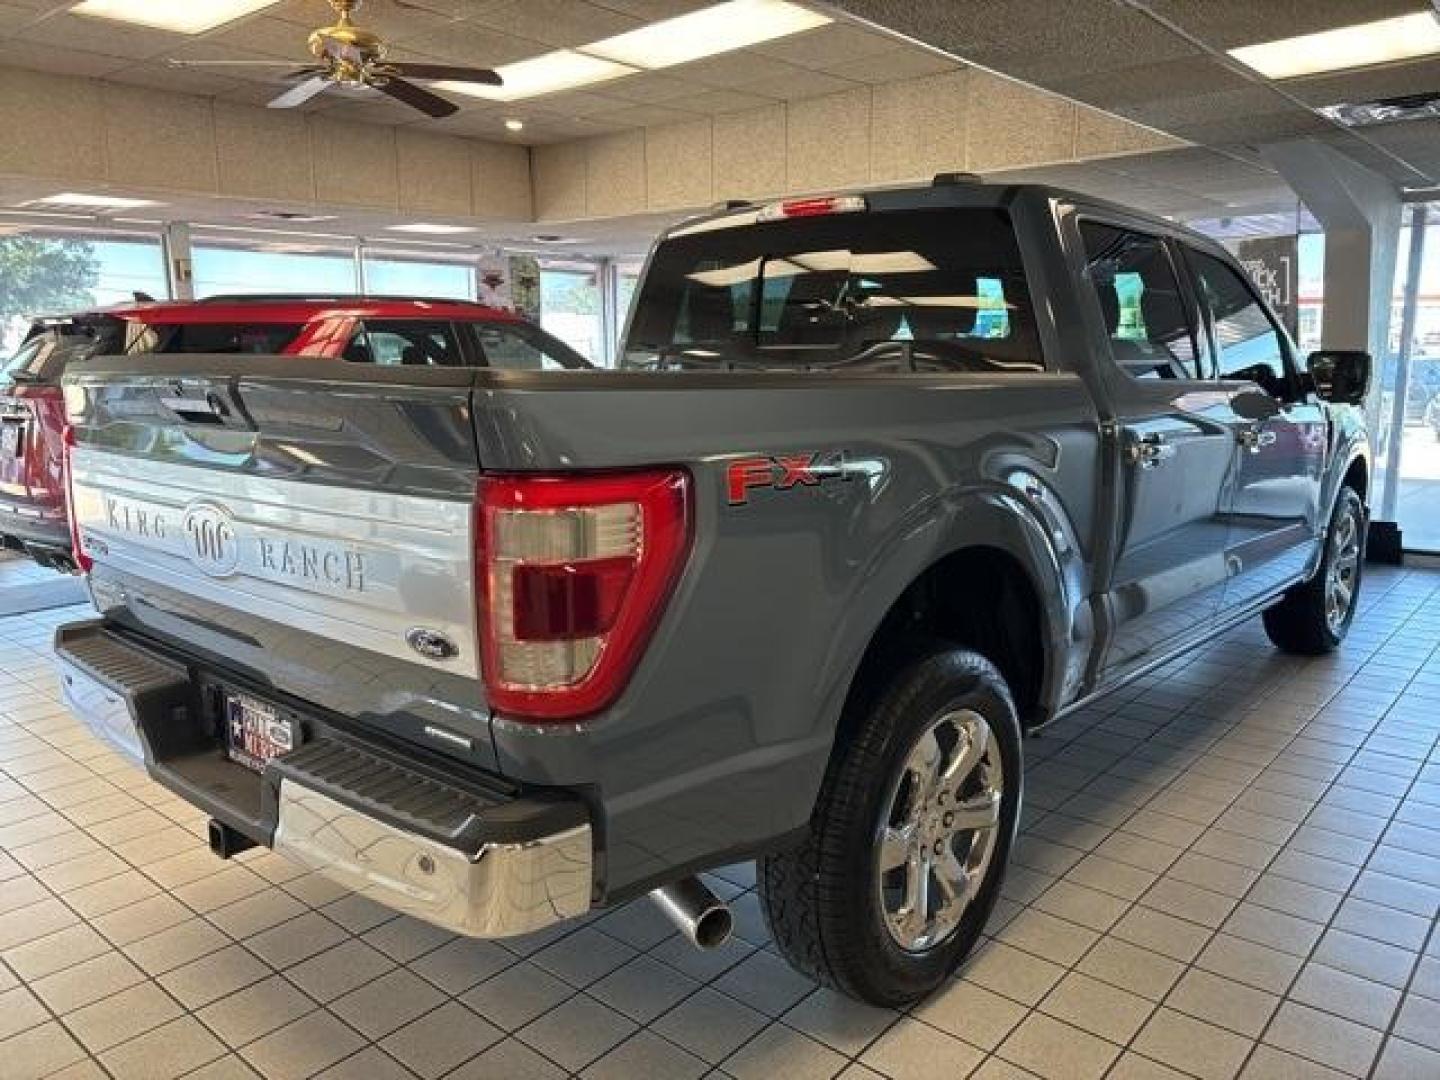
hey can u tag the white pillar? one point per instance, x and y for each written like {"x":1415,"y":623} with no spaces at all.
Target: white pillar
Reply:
{"x":179,"y":267}
{"x":1361,"y":214}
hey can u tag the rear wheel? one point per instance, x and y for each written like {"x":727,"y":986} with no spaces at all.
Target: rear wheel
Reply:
{"x":1314,"y":617}
{"x":908,"y":842}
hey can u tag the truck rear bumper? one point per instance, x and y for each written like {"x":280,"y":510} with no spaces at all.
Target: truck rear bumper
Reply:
{"x":468,"y":854}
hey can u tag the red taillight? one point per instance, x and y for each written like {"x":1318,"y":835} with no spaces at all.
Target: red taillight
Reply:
{"x":82,"y":561}
{"x":574,"y":571}
{"x":816,"y":207}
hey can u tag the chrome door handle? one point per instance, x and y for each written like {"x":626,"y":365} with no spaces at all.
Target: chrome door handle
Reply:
{"x":1148,"y":451}
{"x":1254,"y":440}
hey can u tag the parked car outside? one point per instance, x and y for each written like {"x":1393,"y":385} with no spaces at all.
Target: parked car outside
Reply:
{"x":375,"y":330}
{"x":888,"y":481}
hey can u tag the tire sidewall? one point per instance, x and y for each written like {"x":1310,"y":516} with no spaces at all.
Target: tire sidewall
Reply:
{"x":940,"y":683}
{"x":1347,"y":502}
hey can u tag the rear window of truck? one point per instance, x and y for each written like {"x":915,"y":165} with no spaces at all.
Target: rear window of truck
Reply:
{"x":921,"y":290}
{"x":257,"y":339}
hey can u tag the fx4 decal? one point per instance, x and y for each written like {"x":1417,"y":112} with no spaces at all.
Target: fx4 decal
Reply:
{"x":787,"y":471}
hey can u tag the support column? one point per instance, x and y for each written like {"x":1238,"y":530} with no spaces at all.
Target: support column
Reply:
{"x":1361,"y":213}
{"x":179,"y":268}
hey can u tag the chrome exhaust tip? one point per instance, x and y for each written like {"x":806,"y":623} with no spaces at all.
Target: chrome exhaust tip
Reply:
{"x":696,"y":911}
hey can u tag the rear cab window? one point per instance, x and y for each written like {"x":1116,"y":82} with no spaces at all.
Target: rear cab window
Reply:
{"x":257,"y":339}
{"x":927,"y":290}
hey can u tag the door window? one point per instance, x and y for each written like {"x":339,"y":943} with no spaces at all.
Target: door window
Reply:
{"x":1139,"y":295}
{"x":405,"y":342}
{"x":1247,"y":344}
{"x":522,"y":348}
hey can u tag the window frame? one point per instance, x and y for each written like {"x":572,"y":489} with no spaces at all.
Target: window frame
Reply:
{"x":1190,"y":304}
{"x":1288,"y":360}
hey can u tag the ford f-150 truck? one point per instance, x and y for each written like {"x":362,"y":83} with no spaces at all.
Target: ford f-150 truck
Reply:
{"x":884,"y":482}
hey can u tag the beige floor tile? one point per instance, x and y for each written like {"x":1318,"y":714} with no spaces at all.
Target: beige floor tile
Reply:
{"x":390,"y":1002}
{"x":1097,"y":1007}
{"x":121,"y":1016}
{"x":40,"y":1051}
{"x":1350,"y":996}
{"x":246,"y":1015}
{"x":1050,"y":1048}
{"x":509,"y":1059}
{"x":173,"y":1050}
{"x":1015,"y":974}
{"x":440,"y":1040}
{"x":20,"y":1010}
{"x":1131,"y":967}
{"x":1321,"y":1037}
{"x":302,"y":1048}
{"x":646,"y":1054}
{"x":1192,"y":1045}
{"x":911,"y":1050}
{"x":91,"y":980}
{"x":970,"y":1012}
{"x":1229,"y":1004}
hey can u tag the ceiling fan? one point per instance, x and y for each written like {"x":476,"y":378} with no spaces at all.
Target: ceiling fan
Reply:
{"x":349,"y":55}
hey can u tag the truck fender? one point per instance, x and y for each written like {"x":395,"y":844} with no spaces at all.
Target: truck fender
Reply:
{"x":993,"y":517}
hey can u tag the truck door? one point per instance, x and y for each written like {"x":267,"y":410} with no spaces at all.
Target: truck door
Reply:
{"x":1280,"y":437}
{"x":1172,"y":477}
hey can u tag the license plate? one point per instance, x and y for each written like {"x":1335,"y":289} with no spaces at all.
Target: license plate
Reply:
{"x":255,"y":732}
{"x":10,"y":440}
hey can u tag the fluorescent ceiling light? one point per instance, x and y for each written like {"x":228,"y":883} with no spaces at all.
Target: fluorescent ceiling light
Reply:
{"x":564,"y":69}
{"x":428,"y":229}
{"x":1384,"y":41}
{"x":179,"y":16}
{"x":98,"y":202}
{"x":718,"y":29}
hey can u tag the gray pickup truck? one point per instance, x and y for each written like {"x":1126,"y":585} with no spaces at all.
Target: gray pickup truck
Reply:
{"x":884,"y":482}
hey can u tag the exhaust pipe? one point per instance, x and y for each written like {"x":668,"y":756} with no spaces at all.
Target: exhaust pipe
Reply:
{"x":696,"y":911}
{"x":225,"y":841}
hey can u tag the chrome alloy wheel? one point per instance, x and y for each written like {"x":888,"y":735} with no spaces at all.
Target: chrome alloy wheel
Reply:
{"x":1344,"y":570}
{"x":939,"y":831}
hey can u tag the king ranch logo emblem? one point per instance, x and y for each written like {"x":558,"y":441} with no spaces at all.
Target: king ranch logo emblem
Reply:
{"x":784,"y":472}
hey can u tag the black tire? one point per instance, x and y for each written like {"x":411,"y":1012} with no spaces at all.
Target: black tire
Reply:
{"x":1301,"y":622}
{"x":822,"y":899}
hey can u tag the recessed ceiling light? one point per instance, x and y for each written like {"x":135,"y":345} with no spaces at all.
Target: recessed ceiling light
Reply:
{"x":95,"y":202}
{"x":179,"y":16}
{"x":564,"y":69}
{"x":514,"y":125}
{"x":430,"y":229}
{"x":721,"y":28}
{"x":1384,"y":41}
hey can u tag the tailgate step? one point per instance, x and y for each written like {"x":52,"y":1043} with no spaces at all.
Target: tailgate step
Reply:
{"x":457,"y":814}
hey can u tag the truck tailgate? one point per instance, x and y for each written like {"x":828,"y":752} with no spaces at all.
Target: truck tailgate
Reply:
{"x":304,"y":525}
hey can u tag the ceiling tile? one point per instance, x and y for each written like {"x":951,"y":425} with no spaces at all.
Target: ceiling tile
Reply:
{"x":1392,"y":80}
{"x":17,"y":53}
{"x":734,"y":70}
{"x":903,"y":63}
{"x":1415,"y":141}
{"x":265,"y":36}
{"x":648,"y":88}
{"x":571,"y":103}
{"x":104,"y":36}
{"x":655,"y":10}
{"x":634,"y":116}
{"x":825,"y":46}
{"x":721,"y":101}
{"x":799,"y":84}
{"x":1144,"y":83}
{"x":392,"y":20}
{"x":1226,"y":24}
{"x":464,"y":44}
{"x":555,"y":22}
{"x":199,"y":83}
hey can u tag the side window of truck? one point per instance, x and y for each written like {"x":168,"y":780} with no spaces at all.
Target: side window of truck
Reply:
{"x":1247,"y":344}
{"x":1140,"y":299}
{"x":404,"y":342}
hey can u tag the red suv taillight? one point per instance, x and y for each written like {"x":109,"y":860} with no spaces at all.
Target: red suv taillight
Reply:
{"x":573,"y":570}
{"x":82,"y":561}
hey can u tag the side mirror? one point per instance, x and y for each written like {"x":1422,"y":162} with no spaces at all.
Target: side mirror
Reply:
{"x":1341,"y":376}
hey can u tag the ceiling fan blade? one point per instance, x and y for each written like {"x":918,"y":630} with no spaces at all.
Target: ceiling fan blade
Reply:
{"x":300,"y":93}
{"x":172,"y":62}
{"x":417,"y":97}
{"x":448,"y":72}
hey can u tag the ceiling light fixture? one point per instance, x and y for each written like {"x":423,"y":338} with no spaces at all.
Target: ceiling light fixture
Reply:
{"x":1384,"y":41}
{"x":564,"y":69}
{"x":177,"y":16}
{"x":513,"y":124}
{"x":70,"y":199}
{"x":426,"y":228}
{"x":721,"y":28}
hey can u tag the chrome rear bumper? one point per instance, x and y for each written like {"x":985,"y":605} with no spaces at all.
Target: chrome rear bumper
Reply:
{"x":486,"y":881}
{"x":501,"y":890}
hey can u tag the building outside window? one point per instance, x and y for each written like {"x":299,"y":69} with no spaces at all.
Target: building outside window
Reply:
{"x":570,"y":299}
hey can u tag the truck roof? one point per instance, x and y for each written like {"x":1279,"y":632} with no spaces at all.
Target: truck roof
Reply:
{"x":280,"y":308}
{"x":946,"y":189}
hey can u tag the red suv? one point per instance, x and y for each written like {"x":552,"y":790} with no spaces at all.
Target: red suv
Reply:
{"x":372,"y":330}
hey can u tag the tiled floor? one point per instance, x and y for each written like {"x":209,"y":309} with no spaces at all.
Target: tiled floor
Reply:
{"x":1232,"y":868}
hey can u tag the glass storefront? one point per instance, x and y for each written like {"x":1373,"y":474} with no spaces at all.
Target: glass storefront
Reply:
{"x":570,"y":306}
{"x":234,"y":268}
{"x":386,"y":275}
{"x":49,"y":273}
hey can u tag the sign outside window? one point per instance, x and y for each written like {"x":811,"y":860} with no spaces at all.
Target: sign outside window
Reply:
{"x":1274,"y":266}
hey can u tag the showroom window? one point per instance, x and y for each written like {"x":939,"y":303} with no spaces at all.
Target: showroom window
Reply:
{"x":570,"y":306}
{"x":1247,"y":345}
{"x":54,"y":273}
{"x":388,"y":276}
{"x":237,"y":269}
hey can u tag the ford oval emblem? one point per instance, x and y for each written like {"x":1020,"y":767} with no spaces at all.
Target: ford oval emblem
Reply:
{"x":210,"y":540}
{"x":432,"y":644}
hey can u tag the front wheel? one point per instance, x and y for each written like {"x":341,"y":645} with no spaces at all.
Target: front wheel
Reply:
{"x":1314,"y":617}
{"x":902,"y":864}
